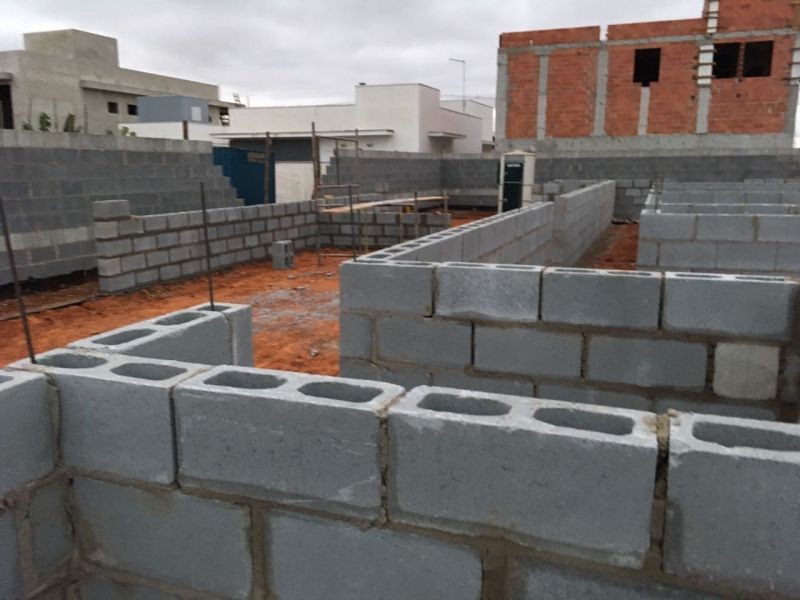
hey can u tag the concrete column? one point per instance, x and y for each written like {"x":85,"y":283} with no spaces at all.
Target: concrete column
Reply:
{"x":541,"y":111}
{"x":602,"y":92}
{"x":644,"y":110}
{"x":792,"y":105}
{"x":501,"y":99}
{"x":705,"y":68}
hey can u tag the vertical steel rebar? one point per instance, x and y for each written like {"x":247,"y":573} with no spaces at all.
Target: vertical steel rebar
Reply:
{"x":17,"y":288}
{"x":416,"y":216}
{"x":208,"y":247}
{"x":352,"y":221}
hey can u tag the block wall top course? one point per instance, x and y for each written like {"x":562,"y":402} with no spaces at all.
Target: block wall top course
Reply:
{"x":479,"y":492}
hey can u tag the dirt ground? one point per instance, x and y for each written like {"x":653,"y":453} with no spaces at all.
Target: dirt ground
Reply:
{"x":295,"y":312}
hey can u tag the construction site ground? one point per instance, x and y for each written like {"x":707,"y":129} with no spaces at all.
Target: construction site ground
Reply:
{"x":295,"y":312}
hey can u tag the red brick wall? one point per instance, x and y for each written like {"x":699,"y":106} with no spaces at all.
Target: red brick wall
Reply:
{"x":622,"y":99}
{"x":523,"y":95}
{"x":753,"y":104}
{"x":545,"y":37}
{"x":635,"y":31}
{"x":749,"y":15}
{"x":673,"y":99}
{"x":571,"y":92}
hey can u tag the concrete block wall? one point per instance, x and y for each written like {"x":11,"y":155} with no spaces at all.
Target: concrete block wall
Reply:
{"x":36,"y":537}
{"x":737,"y":243}
{"x":247,"y":483}
{"x":50,"y":181}
{"x":643,"y":340}
{"x":377,"y":229}
{"x":135,"y":251}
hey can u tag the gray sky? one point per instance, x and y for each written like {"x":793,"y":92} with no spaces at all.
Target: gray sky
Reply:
{"x":286,"y":52}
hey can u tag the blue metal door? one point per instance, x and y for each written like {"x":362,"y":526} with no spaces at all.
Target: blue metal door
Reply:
{"x":245,"y":169}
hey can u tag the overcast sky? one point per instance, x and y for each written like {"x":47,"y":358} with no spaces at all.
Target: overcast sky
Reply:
{"x":293,"y":52}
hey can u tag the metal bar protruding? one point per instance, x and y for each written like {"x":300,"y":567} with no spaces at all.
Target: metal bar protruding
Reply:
{"x":208,"y":246}
{"x":416,"y":216}
{"x":17,"y":288}
{"x":352,"y":221}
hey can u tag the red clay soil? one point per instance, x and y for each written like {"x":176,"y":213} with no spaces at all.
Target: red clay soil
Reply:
{"x":295,"y":312}
{"x":616,"y":250}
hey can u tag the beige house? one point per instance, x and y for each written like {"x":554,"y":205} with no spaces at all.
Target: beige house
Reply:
{"x":74,"y":72}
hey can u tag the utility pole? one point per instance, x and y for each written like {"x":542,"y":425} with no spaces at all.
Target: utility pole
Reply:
{"x":463,"y":81}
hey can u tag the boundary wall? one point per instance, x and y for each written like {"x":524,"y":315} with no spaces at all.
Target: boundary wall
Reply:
{"x":49,"y":182}
{"x":135,"y":251}
{"x":185,"y":481}
{"x":376,"y":229}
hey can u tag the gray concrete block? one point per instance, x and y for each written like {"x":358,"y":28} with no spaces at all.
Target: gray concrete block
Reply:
{"x":50,"y":527}
{"x":726,"y":228}
{"x":355,"y":336}
{"x":273,"y":435}
{"x":407,"y":376}
{"x":732,"y":503}
{"x":143,"y":244}
{"x":112,"y":248}
{"x":351,"y":562}
{"x":587,"y":395}
{"x":166,"y":536}
{"x":115,"y":412}
{"x":687,"y":255}
{"x":387,"y":287}
{"x":730,"y":305}
{"x":240,"y":326}
{"x":27,"y":438}
{"x":470,"y":381}
{"x":628,"y":299}
{"x":520,"y":488}
{"x":647,"y":362}
{"x":525,"y":351}
{"x":96,"y":587}
{"x":784,"y":229}
{"x":134,"y":262}
{"x":744,"y":257}
{"x":107,"y":210}
{"x":10,"y":574}
{"x":495,"y":292}
{"x":730,"y":409}
{"x":105,"y":230}
{"x":191,"y":336}
{"x":746,"y":371}
{"x":426,"y":341}
{"x":535,"y":580}
{"x":659,"y":226}
{"x":647,"y":253}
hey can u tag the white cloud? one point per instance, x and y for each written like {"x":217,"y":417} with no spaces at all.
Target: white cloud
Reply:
{"x":317,"y":50}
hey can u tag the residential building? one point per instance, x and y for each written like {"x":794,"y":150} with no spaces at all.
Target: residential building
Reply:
{"x":733,"y":70}
{"x":72,"y":72}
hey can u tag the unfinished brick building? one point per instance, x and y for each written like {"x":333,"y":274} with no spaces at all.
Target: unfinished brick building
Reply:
{"x":730,"y":71}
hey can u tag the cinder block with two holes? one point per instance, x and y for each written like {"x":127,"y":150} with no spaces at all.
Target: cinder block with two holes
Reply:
{"x":557,"y":476}
{"x":240,"y":327}
{"x":732,"y":505}
{"x":194,"y":336}
{"x":115,"y":411}
{"x":304,"y":439}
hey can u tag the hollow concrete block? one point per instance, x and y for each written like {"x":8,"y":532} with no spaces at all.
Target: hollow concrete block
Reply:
{"x":96,"y":587}
{"x":115,"y":411}
{"x":732,"y":512}
{"x":730,"y":305}
{"x":27,"y":438}
{"x":526,"y":351}
{"x":746,"y":371}
{"x":50,"y":528}
{"x":166,"y":536}
{"x":627,"y":299}
{"x":496,"y":292}
{"x":395,"y":287}
{"x":240,"y":326}
{"x":351,"y":562}
{"x":483,"y":464}
{"x":309,"y":440}
{"x":193,"y":336}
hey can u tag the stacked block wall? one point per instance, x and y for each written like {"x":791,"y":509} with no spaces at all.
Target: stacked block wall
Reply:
{"x":50,"y":181}
{"x":134,"y":251}
{"x":377,"y":229}
{"x":752,"y":227}
{"x":250,"y":483}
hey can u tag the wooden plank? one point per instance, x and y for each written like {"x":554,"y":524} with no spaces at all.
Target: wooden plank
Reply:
{"x":432,"y":200}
